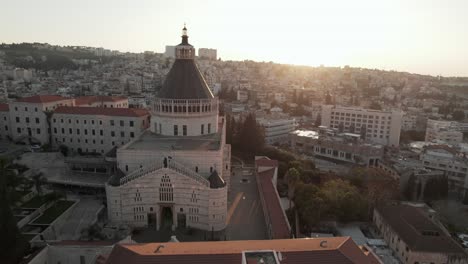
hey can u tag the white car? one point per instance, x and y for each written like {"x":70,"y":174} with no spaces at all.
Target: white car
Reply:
{"x":464,"y":239}
{"x":35,"y":148}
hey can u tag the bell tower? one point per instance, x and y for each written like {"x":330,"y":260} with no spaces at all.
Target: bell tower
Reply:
{"x":185,"y":51}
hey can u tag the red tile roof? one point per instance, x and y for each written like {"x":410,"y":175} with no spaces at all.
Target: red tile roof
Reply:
{"x":87,"y":100}
{"x":129,"y":112}
{"x":42,"y":99}
{"x":266,"y":162}
{"x":279,"y":224}
{"x":336,"y":250}
{"x":4,"y":108}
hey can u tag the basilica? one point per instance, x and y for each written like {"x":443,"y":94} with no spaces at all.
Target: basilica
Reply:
{"x":176,"y":173}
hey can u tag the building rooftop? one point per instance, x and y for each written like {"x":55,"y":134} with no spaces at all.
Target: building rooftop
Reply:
{"x":42,"y":99}
{"x":127,"y":112}
{"x":419,"y":232}
{"x":339,"y":250}
{"x":151,"y":141}
{"x":88,"y":100}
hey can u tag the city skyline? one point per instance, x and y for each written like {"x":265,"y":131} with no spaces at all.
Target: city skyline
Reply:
{"x":425,"y":37}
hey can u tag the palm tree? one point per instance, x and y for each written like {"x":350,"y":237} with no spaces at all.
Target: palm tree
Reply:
{"x":39,"y":180}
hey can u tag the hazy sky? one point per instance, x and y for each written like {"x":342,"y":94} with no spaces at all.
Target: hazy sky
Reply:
{"x":421,"y":36}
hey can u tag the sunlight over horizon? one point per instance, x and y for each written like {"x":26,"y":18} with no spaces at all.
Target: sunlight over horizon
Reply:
{"x":426,"y":37}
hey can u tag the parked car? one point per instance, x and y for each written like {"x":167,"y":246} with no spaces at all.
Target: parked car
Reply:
{"x":35,"y":148}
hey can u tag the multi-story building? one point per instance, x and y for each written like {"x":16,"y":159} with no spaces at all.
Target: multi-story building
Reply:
{"x":277,"y":129}
{"x":242,"y":95}
{"x":345,"y":147}
{"x":210,"y":54}
{"x":414,"y":236}
{"x":409,"y":122}
{"x":450,"y":161}
{"x":29,"y":116}
{"x":170,"y":51}
{"x":446,"y":131}
{"x":177,"y":173}
{"x":381,"y":127}
{"x":34,"y":120}
{"x":96,"y":129}
{"x":5,"y":128}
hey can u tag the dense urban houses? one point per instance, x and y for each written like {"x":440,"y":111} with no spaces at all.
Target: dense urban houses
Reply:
{"x":344,"y":147}
{"x":415,"y":237}
{"x":381,"y":127}
{"x":176,"y":174}
{"x":444,"y":132}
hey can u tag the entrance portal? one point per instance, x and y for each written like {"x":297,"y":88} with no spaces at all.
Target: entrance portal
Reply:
{"x":166,"y":218}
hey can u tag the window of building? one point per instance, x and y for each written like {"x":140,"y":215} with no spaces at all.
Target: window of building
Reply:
{"x":93,"y":132}
{"x":112,"y":122}
{"x":202,"y":129}
{"x":132,"y":135}
{"x":17,"y":119}
{"x":55,"y":130}
{"x":121,"y":123}
{"x":209,"y":128}
{"x":27,"y":119}
{"x":176,"y":130}
{"x":101,"y":132}
{"x":112,"y":134}
{"x":18,"y":130}
{"x":77,"y":131}
{"x":122,"y":134}
{"x":86,"y":131}
{"x":70,"y":131}
{"x":131,"y":123}
{"x":184,"y":130}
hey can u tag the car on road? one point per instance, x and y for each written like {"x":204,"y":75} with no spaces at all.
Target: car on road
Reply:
{"x":35,"y":147}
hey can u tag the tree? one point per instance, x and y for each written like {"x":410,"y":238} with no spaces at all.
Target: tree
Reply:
{"x":309,"y":203}
{"x":39,"y":180}
{"x":12,"y":244}
{"x":251,"y":137}
{"x":293,"y":177}
{"x":408,"y":192}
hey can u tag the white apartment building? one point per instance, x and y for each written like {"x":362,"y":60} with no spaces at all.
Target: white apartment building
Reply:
{"x":450,"y":161}
{"x":22,"y":74}
{"x":176,"y":174}
{"x":277,"y":129}
{"x":381,"y":127}
{"x":210,"y":54}
{"x":96,"y":129}
{"x":344,"y":147}
{"x":170,"y":51}
{"x":446,"y":131}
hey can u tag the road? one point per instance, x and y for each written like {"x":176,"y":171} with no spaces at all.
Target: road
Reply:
{"x":245,"y":214}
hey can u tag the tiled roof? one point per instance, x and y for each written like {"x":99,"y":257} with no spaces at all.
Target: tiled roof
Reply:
{"x":266,"y":162}
{"x":336,"y":250}
{"x":279,"y":223}
{"x":42,"y":99}
{"x":87,"y":100}
{"x":417,"y":230}
{"x":4,"y":108}
{"x":128,"y":112}
{"x":184,"y":81}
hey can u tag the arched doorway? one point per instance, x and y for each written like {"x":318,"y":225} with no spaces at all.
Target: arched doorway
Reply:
{"x":166,"y":217}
